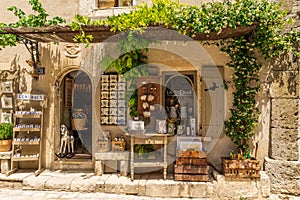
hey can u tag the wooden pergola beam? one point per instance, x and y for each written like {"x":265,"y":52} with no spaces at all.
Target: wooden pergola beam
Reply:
{"x":60,"y":33}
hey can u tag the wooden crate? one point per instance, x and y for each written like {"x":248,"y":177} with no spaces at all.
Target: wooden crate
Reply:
{"x":191,"y":154}
{"x":247,"y":168}
{"x":191,"y":169}
{"x":118,"y":146}
{"x":191,"y":177}
{"x":191,"y":161}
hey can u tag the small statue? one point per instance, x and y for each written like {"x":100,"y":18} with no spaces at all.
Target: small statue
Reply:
{"x":66,"y":141}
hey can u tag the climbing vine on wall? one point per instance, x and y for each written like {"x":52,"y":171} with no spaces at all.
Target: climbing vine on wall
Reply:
{"x":267,"y":39}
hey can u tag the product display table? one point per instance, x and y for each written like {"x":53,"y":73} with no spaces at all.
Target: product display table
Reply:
{"x":148,"y":138}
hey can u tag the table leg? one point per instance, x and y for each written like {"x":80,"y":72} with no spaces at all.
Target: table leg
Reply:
{"x":99,"y":168}
{"x":132,"y":157}
{"x":165,"y":157}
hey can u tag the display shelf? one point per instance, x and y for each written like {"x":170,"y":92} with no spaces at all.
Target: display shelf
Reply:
{"x":28,"y":116}
{"x":28,"y":131}
{"x":25,"y":142}
{"x":25,"y":158}
{"x":112,"y":100}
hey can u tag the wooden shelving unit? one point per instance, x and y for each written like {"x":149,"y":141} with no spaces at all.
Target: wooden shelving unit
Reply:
{"x":28,"y":131}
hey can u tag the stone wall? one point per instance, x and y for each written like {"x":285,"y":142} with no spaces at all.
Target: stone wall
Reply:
{"x":283,"y":164}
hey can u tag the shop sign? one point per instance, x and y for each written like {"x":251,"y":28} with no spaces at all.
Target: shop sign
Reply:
{"x":41,"y":71}
{"x":34,"y":97}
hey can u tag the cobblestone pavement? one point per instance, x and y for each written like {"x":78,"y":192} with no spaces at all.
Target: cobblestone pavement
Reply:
{"x":12,"y":194}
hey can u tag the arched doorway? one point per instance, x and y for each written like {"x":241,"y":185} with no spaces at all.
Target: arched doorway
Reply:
{"x":76,"y":113}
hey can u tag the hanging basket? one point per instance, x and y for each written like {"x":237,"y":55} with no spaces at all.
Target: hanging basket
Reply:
{"x":5,"y":145}
{"x":79,"y":120}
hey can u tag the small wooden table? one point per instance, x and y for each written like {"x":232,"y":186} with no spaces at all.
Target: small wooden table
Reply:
{"x":151,"y":138}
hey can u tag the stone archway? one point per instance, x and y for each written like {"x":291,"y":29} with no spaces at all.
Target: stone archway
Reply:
{"x":76,"y":111}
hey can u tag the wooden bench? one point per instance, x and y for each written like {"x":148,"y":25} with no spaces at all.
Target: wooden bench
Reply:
{"x":100,"y":158}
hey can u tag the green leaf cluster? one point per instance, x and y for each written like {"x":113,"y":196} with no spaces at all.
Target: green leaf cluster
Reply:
{"x":38,"y":19}
{"x":131,"y":63}
{"x":6,"y":131}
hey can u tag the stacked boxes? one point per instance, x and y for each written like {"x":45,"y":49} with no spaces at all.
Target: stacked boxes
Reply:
{"x":191,"y":165}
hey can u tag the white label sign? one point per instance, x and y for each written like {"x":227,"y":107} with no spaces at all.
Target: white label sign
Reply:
{"x":35,"y":97}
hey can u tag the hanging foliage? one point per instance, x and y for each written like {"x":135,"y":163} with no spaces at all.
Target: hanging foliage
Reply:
{"x":130,"y":63}
{"x":38,"y":19}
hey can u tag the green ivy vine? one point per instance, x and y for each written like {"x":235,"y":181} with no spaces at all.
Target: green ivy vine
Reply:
{"x":38,"y":19}
{"x":268,"y":39}
{"x":131,"y":63}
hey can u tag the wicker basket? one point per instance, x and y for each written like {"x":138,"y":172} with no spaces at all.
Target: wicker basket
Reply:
{"x":79,"y":120}
{"x":78,"y":124}
{"x":103,"y":146}
{"x":104,"y":142}
{"x":248,"y":168}
{"x":5,"y":145}
{"x":118,"y":144}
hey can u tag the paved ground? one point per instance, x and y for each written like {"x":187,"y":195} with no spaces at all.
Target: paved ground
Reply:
{"x":10,"y":194}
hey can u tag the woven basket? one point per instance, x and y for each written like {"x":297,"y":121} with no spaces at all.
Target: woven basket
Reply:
{"x":5,"y":145}
{"x":103,"y":146}
{"x":78,"y":124}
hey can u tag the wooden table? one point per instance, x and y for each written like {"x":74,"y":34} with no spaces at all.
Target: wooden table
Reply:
{"x":152,"y":138}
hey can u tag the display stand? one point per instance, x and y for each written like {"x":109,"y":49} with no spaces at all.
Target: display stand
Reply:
{"x":154,"y":138}
{"x":28,"y":131}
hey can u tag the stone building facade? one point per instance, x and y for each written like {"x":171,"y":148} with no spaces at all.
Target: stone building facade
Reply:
{"x":278,"y":134}
{"x":283,"y":162}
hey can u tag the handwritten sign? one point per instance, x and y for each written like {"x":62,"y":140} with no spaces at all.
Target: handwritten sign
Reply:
{"x":34,"y":97}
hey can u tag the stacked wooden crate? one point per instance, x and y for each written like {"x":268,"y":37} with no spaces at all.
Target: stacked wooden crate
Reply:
{"x":191,"y":165}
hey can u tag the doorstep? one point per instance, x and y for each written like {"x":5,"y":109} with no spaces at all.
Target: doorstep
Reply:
{"x":75,"y":164}
{"x":150,"y":184}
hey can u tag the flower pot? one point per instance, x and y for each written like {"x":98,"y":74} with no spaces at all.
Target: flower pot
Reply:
{"x":241,"y":168}
{"x":5,"y":145}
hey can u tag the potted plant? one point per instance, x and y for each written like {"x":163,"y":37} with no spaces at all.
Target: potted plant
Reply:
{"x":6,"y":135}
{"x":240,"y":164}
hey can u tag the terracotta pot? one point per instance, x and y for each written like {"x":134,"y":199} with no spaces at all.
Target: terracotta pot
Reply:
{"x":5,"y":145}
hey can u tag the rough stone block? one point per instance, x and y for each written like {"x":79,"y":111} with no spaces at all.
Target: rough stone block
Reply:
{"x":5,"y":165}
{"x":234,"y":189}
{"x":284,"y":113}
{"x":284,"y":144}
{"x":285,"y":84}
{"x":284,"y":176}
{"x":100,"y":183}
{"x":202,"y":190}
{"x":35,"y":182}
{"x":164,"y":188}
{"x":121,"y":185}
{"x":57,"y":183}
{"x":84,"y":184}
